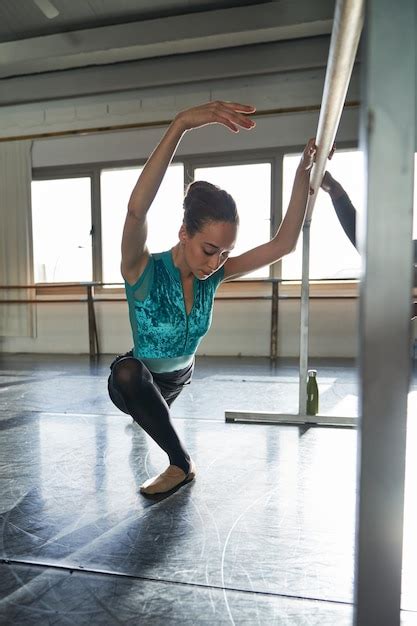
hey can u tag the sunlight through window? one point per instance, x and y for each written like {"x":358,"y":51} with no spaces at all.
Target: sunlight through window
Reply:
{"x":331,"y":253}
{"x":61,"y":227}
{"x":164,"y":217}
{"x":250,"y":186}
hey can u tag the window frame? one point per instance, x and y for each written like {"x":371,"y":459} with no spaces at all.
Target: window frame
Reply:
{"x":337,"y":286}
{"x":63,"y":173}
{"x":273,"y":156}
{"x":248,"y":157}
{"x":93,"y":171}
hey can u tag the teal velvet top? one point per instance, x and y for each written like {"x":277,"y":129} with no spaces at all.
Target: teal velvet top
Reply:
{"x":164,"y":336}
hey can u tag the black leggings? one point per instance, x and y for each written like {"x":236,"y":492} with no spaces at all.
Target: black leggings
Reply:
{"x":147,"y":398}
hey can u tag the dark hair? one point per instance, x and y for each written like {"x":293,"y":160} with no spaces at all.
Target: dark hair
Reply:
{"x":204,"y":203}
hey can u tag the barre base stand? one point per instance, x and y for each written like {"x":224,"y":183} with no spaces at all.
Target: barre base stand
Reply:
{"x":263,"y":417}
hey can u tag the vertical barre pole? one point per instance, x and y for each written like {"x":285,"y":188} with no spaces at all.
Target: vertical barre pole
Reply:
{"x":97,"y":346}
{"x":90,"y":311}
{"x":304,"y":324}
{"x":347,"y":27}
{"x":274,"y":322}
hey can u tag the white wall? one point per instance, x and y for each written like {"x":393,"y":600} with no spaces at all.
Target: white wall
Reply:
{"x":238,"y":328}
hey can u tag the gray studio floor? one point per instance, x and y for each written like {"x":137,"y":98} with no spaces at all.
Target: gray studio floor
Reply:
{"x":265,"y":535}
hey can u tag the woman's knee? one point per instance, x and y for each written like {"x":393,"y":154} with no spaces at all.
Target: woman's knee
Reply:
{"x":130,"y":373}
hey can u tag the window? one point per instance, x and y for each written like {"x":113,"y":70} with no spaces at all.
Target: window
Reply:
{"x":331,"y":253}
{"x":61,"y":218}
{"x":250,"y":186}
{"x":164,"y":217}
{"x":61,"y":229}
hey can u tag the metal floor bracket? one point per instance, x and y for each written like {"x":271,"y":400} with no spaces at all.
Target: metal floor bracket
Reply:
{"x":263,"y":417}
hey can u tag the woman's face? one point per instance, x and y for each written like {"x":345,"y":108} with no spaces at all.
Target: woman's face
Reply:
{"x":209,"y":248}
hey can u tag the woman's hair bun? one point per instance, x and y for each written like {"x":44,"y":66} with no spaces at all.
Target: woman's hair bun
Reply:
{"x":205,"y":202}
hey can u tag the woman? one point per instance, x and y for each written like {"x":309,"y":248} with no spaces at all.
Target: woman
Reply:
{"x":170,"y":294}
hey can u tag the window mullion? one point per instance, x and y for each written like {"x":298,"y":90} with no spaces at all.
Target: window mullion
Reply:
{"x":189,"y":168}
{"x":96,"y":239}
{"x":276,"y":205}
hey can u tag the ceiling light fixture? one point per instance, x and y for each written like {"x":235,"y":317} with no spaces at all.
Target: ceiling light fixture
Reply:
{"x":47,"y":8}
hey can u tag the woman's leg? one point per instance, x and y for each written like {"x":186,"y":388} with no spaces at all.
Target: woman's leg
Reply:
{"x":133,"y":390}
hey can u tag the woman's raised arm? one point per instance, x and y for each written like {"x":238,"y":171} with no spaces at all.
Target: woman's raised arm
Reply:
{"x":286,"y":237}
{"x":134,"y":252}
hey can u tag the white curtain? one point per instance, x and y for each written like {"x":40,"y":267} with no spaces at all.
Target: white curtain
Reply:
{"x":16,"y":262}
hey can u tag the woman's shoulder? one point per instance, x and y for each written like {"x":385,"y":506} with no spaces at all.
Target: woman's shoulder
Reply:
{"x":135,"y":282}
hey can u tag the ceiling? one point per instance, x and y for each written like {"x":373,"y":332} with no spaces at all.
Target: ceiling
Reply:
{"x":23,"y":19}
{"x":96,"y":46}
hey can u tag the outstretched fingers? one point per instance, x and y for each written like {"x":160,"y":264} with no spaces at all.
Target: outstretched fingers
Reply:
{"x":233,"y":115}
{"x":237,"y":106}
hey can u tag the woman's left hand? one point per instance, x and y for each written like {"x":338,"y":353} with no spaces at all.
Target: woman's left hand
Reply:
{"x":309,"y":155}
{"x":230,"y":114}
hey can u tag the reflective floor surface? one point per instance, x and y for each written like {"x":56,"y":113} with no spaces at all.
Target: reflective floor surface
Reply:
{"x":265,"y":535}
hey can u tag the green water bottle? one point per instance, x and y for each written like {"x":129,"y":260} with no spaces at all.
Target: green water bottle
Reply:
{"x":312,"y":393}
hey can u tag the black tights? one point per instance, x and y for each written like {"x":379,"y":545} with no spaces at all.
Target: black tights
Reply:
{"x":147,"y":398}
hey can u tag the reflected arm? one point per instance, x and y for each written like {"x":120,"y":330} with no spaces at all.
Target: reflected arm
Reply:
{"x":342,"y":204}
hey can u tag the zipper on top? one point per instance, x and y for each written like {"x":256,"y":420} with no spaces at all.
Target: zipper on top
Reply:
{"x":187,"y":315}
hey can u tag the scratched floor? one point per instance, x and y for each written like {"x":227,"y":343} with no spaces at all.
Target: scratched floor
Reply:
{"x":265,"y":535}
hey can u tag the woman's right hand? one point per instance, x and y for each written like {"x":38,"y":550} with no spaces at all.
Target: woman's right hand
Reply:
{"x":332,"y":186}
{"x":230,"y":114}
{"x":327,"y":183}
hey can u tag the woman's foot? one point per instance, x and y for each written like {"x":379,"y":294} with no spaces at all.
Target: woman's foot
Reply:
{"x":171,"y":478}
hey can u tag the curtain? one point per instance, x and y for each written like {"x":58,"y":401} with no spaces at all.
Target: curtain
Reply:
{"x":16,"y":262}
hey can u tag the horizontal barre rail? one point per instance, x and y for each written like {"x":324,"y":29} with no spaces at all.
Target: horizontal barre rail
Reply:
{"x":90,"y":300}
{"x":238,"y":281}
{"x":121,"y":285}
{"x":231,"y":298}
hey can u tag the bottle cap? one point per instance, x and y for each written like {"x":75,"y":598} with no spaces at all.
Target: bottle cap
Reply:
{"x":312,"y":372}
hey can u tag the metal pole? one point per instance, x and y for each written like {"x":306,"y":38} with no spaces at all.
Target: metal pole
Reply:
{"x":346,"y":31}
{"x":385,"y":233}
{"x":304,"y":320}
{"x":273,"y":352}
{"x":92,"y":332}
{"x":347,"y":27}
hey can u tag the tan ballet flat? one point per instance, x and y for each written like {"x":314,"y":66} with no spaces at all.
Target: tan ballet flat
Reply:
{"x":171,"y":478}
